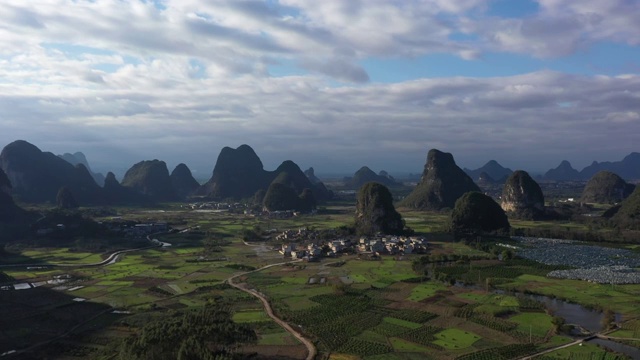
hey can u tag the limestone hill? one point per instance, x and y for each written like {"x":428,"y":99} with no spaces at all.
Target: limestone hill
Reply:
{"x":37,"y":176}
{"x":522,"y":197}
{"x":79,"y":158}
{"x":117,"y":194}
{"x":442,"y":183}
{"x":564,"y":172}
{"x":476,"y":213}
{"x":151,"y":178}
{"x":606,"y":187}
{"x":239,"y":174}
{"x":628,"y":214}
{"x":183,"y":182}
{"x":375,"y":212}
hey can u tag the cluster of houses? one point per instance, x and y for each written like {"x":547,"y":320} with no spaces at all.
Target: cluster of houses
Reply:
{"x":276,"y":214}
{"x":215,"y":206}
{"x":381,"y":244}
{"x":301,"y":234}
{"x":387,"y":244}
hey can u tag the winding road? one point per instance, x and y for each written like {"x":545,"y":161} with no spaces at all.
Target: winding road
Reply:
{"x":108,"y":261}
{"x":311,"y":349}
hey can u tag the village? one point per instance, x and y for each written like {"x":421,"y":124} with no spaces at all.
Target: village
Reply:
{"x":302,"y":244}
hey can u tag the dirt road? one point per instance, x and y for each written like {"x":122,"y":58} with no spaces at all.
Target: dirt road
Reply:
{"x":311,"y":349}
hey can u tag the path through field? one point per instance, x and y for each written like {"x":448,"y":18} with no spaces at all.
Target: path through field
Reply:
{"x":311,"y":349}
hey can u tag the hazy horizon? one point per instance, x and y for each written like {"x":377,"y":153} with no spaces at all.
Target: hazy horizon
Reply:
{"x":334,"y":84}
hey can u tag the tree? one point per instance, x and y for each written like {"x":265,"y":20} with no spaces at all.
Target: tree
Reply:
{"x":608,"y":319}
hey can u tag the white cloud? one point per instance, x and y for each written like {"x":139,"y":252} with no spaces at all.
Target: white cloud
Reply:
{"x":191,"y":77}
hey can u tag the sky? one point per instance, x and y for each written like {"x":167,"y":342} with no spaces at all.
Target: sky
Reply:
{"x":333,"y":84}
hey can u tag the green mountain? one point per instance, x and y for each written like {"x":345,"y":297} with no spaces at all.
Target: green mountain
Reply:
{"x":475,"y":212}
{"x":606,"y":187}
{"x":151,"y":178}
{"x":183,"y":182}
{"x":117,"y":194}
{"x":239,"y":174}
{"x":628,"y":214}
{"x":442,"y":183}
{"x":375,"y":212}
{"x":281,"y":196}
{"x":37,"y":176}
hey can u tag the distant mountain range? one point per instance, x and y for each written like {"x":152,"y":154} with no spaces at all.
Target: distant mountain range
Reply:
{"x":490,"y":172}
{"x":79,"y":158}
{"x":365,"y":175}
{"x":628,"y":168}
{"x":36,"y":176}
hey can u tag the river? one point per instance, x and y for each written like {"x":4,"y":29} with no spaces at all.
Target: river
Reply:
{"x":588,"y":319}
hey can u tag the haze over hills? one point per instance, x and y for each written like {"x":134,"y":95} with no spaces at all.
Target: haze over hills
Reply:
{"x":365,"y":175}
{"x":493,"y":169}
{"x":628,"y":168}
{"x":562,"y":172}
{"x":79,"y":158}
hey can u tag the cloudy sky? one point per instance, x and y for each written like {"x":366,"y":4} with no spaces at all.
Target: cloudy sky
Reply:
{"x":334,"y":84}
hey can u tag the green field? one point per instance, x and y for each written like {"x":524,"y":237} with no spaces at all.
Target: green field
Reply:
{"x":367,"y":309}
{"x":538,"y":323}
{"x":250,"y":316}
{"x":455,"y":339}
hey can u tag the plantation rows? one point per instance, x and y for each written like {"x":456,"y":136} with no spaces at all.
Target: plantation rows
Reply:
{"x":259,"y":279}
{"x":477,"y":274}
{"x":466,"y":311}
{"x":501,"y":353}
{"x":331,"y":307}
{"x":589,"y":356}
{"x":424,"y":336}
{"x":494,"y":323}
{"x":334,"y":333}
{"x":388,"y":329}
{"x":413,"y":315}
{"x":364,"y":348}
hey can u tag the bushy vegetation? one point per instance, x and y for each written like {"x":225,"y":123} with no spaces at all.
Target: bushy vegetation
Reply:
{"x":209,"y":333}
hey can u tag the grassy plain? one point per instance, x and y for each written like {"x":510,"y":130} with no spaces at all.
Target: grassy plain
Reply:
{"x":374,"y":304}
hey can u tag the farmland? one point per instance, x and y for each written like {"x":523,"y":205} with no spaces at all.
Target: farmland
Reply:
{"x":350,"y":307}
